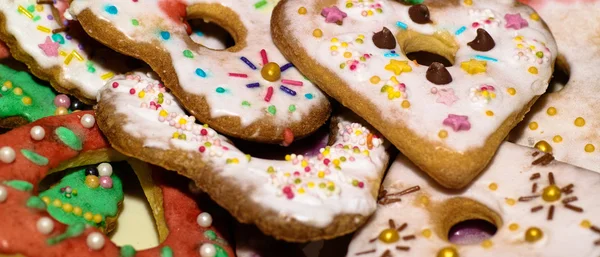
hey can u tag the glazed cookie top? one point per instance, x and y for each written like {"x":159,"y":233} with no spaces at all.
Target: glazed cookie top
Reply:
{"x":341,"y":179}
{"x":38,"y":31}
{"x":251,"y":81}
{"x":539,"y":206}
{"x":501,"y":54}
{"x":566,"y":123}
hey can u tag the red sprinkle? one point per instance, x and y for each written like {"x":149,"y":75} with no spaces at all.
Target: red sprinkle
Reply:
{"x":361,"y":184}
{"x":287,"y":190}
{"x":326,"y":161}
{"x":202,"y":149}
{"x":269,"y":95}
{"x":115,"y":84}
{"x":132,"y":91}
{"x":263,"y":55}
{"x":296,"y":173}
{"x":288,"y":137}
{"x":203,"y":132}
{"x":475,"y":25}
{"x":239,"y":75}
{"x":307,"y":169}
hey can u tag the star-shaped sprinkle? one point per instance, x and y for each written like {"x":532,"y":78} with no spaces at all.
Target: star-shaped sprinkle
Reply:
{"x":397,"y":67}
{"x":447,"y":96}
{"x":474,"y":66}
{"x":457,"y":122}
{"x":50,"y":47}
{"x":515,"y":21}
{"x":333,"y":14}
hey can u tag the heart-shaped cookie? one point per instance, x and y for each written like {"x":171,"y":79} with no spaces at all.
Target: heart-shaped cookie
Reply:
{"x":478,"y":66}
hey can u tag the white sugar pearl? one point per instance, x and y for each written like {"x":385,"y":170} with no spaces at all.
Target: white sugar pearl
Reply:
{"x":37,"y":133}
{"x":88,"y":121}
{"x":208,"y":250}
{"x":204,"y":219}
{"x":7,"y":154}
{"x":45,"y":225}
{"x":95,"y":241}
{"x":3,"y":194}
{"x":105,"y":170}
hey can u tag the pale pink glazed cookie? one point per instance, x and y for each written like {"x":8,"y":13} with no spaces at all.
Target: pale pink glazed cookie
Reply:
{"x":540,"y":207}
{"x":248,"y":91}
{"x":566,"y":123}
{"x":300,"y":198}
{"x":447,"y":118}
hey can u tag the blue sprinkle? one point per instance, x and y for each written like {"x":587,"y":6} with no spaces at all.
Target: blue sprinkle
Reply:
{"x":248,"y":62}
{"x":391,"y":54}
{"x":285,"y":67}
{"x":200,"y":73}
{"x":111,"y":9}
{"x":460,"y":31}
{"x":289,"y":91}
{"x":401,"y":25}
{"x":58,"y":39}
{"x":165,"y":35}
{"x":483,"y":57}
{"x":309,"y":96}
{"x":199,"y":33}
{"x":253,"y":85}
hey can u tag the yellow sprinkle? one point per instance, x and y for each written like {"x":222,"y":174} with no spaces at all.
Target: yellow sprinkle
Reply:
{"x":77,"y":55}
{"x":333,"y":48}
{"x":141,"y":94}
{"x":106,"y":76}
{"x":69,"y":59}
{"x":533,"y":125}
{"x":8,"y":84}
{"x":557,"y":139}
{"x":62,"y":53}
{"x":301,"y":191}
{"x":67,"y":207}
{"x":510,"y":201}
{"x":311,"y":184}
{"x":361,"y":36}
{"x":534,"y":16}
{"x":88,"y":216}
{"x":334,"y":40}
{"x":405,"y":104}
{"x":182,"y":121}
{"x":424,"y":200}
{"x":176,"y":135}
{"x":302,"y":10}
{"x":533,"y":70}
{"x":18,"y":91}
{"x":39,"y":7}
{"x":551,"y":111}
{"x":304,"y":163}
{"x":77,"y":211}
{"x":26,"y":100}
{"x":487,"y":244}
{"x":511,"y":91}
{"x":443,"y":133}
{"x":163,"y":113}
{"x":519,"y":38}
{"x":347,"y":54}
{"x":579,"y":122}
{"x":426,"y":233}
{"x":358,"y":133}
{"x":317,"y":33}
{"x":56,"y":203}
{"x":336,"y":162}
{"x":468,"y":2}
{"x":43,"y":29}
{"x":358,"y":40}
{"x":513,"y":227}
{"x":493,"y":186}
{"x":344,"y":44}
{"x":288,"y":157}
{"x":321,"y":174}
{"x":489,"y":113}
{"x":23,"y":10}
{"x":375,"y":79}
{"x":585,"y":224}
{"x":590,"y":148}
{"x":287,"y":174}
{"x":97,"y":218}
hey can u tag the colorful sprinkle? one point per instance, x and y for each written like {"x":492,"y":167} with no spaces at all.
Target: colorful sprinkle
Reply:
{"x":287,"y":90}
{"x":111,"y":9}
{"x":460,"y":30}
{"x":248,"y":62}
{"x":401,"y":25}
{"x":201,"y":73}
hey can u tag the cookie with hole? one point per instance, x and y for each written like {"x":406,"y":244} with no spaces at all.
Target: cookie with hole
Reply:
{"x":247,"y":91}
{"x":532,"y":200}
{"x":297,"y":198}
{"x":478,"y":67}
{"x":565,"y":122}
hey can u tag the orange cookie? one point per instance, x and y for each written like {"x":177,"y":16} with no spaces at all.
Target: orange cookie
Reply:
{"x":444,"y":81}
{"x":248,"y":91}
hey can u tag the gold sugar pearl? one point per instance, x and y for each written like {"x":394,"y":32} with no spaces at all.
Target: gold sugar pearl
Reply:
{"x":448,"y":252}
{"x":510,"y":201}
{"x":579,"y":122}
{"x":375,"y":79}
{"x":443,"y":133}
{"x":493,"y":186}
{"x":513,"y":227}
{"x":551,"y":193}
{"x":543,"y":146}
{"x":97,"y":218}
{"x":551,"y":111}
{"x":57,"y":203}
{"x":77,"y":211}
{"x":489,"y":113}
{"x":271,"y":72}
{"x":426,"y":233}
{"x":585,"y":224}
{"x":18,"y":91}
{"x":557,"y":139}
{"x":533,"y":234}
{"x":533,"y":125}
{"x":487,"y":244}
{"x":405,"y":104}
{"x":389,"y":236}
{"x":534,"y":16}
{"x":26,"y":100}
{"x":302,"y":10}
{"x":61,"y":111}
{"x":317,"y":33}
{"x":589,"y":148}
{"x":511,"y":91}
{"x":88,"y":216}
{"x":67,"y":207}
{"x":533,"y":70}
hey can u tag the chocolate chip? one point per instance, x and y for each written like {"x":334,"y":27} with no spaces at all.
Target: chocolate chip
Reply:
{"x":438,"y":74}
{"x":419,"y":14}
{"x":483,"y":42}
{"x":384,"y":39}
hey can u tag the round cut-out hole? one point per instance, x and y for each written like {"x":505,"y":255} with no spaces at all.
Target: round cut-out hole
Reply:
{"x":426,"y":58}
{"x":471,"y":232}
{"x":210,"y":34}
{"x":560,"y":77}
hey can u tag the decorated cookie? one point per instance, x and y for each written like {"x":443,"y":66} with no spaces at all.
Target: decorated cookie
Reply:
{"x":55,"y":49}
{"x":540,"y":207}
{"x":92,"y":195}
{"x":248,"y":91}
{"x":566,"y":123}
{"x":477,"y":67}
{"x":296,"y":199}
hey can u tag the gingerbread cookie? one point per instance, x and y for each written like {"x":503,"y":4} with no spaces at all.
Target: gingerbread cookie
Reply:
{"x":296,"y":199}
{"x":55,"y":49}
{"x":248,"y":91}
{"x":491,"y":61}
{"x":566,"y":123}
{"x":540,"y":207}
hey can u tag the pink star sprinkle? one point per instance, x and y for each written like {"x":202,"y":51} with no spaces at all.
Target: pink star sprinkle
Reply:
{"x":447,"y":96}
{"x":49,"y":47}
{"x":457,"y":122}
{"x":515,"y":21}
{"x":333,"y":14}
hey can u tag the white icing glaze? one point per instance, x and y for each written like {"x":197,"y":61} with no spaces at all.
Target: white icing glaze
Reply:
{"x":32,"y":24}
{"x":576,"y":27}
{"x":431,"y":104}
{"x":511,"y":171}
{"x":217,"y":65}
{"x":317,"y":191}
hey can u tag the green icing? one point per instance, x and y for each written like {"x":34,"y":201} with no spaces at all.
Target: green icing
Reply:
{"x":413,"y":1}
{"x":34,"y":157}
{"x":211,"y":235}
{"x":220,"y":252}
{"x":11,"y":105}
{"x":69,"y":138}
{"x":103,"y":201}
{"x":19,"y":185}
{"x":127,"y":251}
{"x":166,"y":252}
{"x":73,"y":230}
{"x":35,"y":203}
